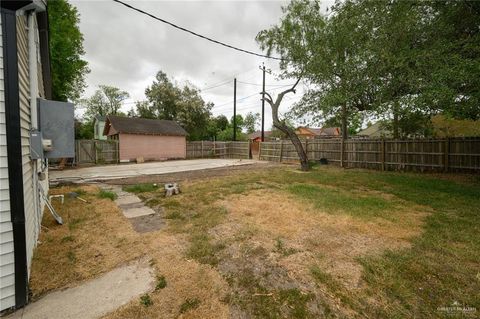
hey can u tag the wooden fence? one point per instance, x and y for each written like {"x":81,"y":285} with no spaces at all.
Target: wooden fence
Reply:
{"x":452,"y":154}
{"x":96,"y":151}
{"x":209,"y":149}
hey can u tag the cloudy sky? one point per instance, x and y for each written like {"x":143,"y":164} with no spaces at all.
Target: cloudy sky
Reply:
{"x":126,"y":49}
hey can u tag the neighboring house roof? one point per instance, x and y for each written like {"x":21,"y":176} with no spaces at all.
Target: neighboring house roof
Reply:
{"x":375,"y":130}
{"x":330,"y":131}
{"x":132,"y":125}
{"x":324,"y":131}
{"x":258,"y":134}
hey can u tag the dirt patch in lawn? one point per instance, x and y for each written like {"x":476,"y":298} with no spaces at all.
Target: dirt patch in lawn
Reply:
{"x":279,"y":240}
{"x":203,"y":174}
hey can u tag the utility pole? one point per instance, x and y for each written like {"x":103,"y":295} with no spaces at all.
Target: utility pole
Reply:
{"x":235,"y":109}
{"x":263,"y":104}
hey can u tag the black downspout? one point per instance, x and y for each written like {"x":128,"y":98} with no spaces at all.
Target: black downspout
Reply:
{"x":14,"y":151}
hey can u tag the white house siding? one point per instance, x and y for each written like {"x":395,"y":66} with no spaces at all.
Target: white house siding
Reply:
{"x":7,"y":270}
{"x":33,"y":213}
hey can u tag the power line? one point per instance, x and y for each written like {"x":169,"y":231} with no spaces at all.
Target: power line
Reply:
{"x":240,"y":99}
{"x":273,"y":85}
{"x":216,"y":85}
{"x":195,"y":33}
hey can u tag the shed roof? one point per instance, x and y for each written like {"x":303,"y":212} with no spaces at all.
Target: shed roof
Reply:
{"x":132,"y":125}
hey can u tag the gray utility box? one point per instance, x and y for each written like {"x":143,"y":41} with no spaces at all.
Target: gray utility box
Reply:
{"x":55,"y":137}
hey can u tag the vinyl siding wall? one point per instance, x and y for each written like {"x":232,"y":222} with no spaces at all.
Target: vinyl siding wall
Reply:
{"x":33,"y":210}
{"x":7,"y":270}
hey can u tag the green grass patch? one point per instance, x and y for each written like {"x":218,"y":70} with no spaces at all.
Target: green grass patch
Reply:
{"x":107,"y":194}
{"x":71,"y":256}
{"x":161,"y":282}
{"x":145,"y":300}
{"x":338,"y":200}
{"x":189,"y":304}
{"x":281,"y":248}
{"x":141,"y":188}
{"x":203,"y":250}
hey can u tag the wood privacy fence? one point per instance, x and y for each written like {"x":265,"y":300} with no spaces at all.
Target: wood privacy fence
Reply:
{"x":96,"y":151}
{"x":452,"y":154}
{"x":209,"y":149}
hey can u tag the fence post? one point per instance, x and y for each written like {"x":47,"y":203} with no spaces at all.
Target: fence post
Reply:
{"x":341,"y":152}
{"x":260,"y":151}
{"x":214,"y":149}
{"x":202,"y":150}
{"x":281,"y":150}
{"x":306,"y":148}
{"x":76,"y":151}
{"x":447,"y":153}
{"x":96,"y":155}
{"x":383,"y":154}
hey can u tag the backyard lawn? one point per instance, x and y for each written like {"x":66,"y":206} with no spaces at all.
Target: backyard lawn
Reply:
{"x":280,"y":243}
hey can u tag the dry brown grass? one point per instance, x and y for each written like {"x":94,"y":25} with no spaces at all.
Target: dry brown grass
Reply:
{"x":96,"y":238}
{"x":88,"y":244}
{"x":331,"y":241}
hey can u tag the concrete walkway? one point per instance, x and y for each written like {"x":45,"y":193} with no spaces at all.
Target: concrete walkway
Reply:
{"x":130,"y":204}
{"x":94,"y":298}
{"x":107,"y":172}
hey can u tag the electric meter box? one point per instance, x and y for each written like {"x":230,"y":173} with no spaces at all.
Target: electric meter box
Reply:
{"x":57,"y":130}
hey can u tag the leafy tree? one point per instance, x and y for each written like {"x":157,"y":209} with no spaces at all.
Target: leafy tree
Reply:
{"x":403,"y":61}
{"x":327,"y":52}
{"x":83,"y":130}
{"x":66,"y":50}
{"x":165,"y":100}
{"x":216,"y":125}
{"x":251,"y":121}
{"x":107,"y":100}
{"x":444,"y":126}
{"x":227,"y":133}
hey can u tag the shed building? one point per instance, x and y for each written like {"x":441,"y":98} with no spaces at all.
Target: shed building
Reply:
{"x":154,"y":140}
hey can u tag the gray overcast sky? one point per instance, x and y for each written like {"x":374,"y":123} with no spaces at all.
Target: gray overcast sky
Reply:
{"x":126,"y":49}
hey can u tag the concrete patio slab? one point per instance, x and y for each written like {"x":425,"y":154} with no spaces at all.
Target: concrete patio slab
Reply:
{"x":108,"y":172}
{"x":94,"y":298}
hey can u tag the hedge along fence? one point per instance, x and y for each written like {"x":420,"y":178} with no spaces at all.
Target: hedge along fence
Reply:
{"x":209,"y":149}
{"x":452,"y":154}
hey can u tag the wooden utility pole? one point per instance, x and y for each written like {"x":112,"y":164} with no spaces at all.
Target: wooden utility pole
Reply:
{"x":263,"y":104}
{"x":235,"y":109}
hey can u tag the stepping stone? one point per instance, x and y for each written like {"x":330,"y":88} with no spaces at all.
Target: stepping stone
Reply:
{"x":95,"y":298}
{"x":127,"y":200}
{"x":137,"y":211}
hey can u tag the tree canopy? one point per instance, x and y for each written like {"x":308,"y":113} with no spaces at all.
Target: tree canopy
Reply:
{"x":66,"y":50}
{"x":107,"y":100}
{"x":401,"y":61}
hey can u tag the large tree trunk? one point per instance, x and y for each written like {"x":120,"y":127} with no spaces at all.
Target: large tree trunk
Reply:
{"x":302,"y":154}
